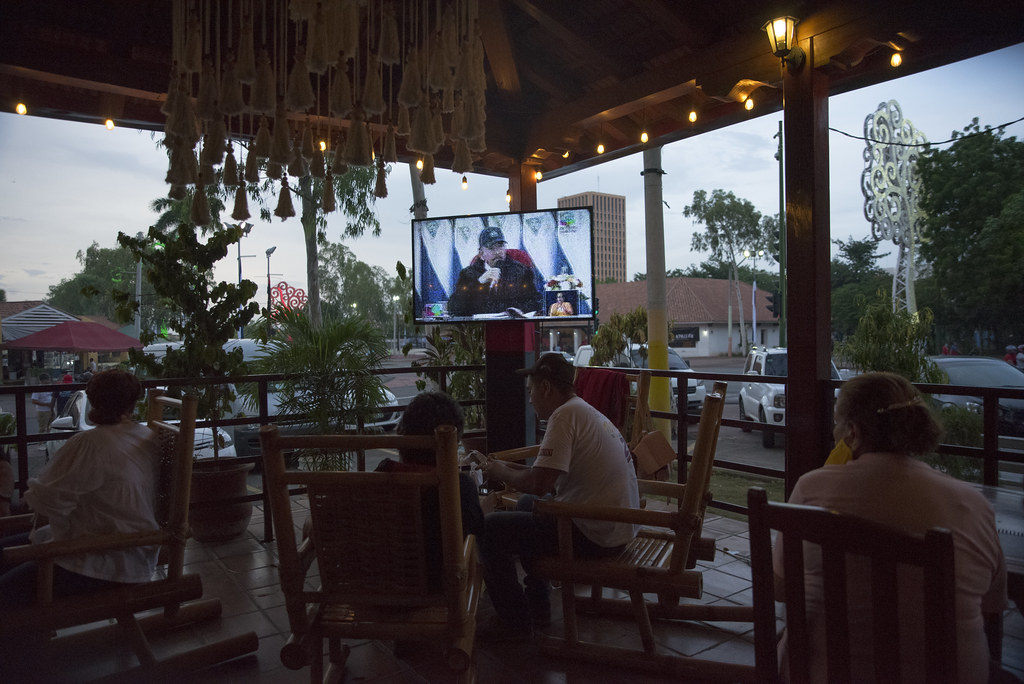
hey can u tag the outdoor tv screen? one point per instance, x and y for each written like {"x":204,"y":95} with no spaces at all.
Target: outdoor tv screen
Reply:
{"x":535,"y":265}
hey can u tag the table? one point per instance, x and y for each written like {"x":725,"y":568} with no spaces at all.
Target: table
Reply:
{"x":1008,"y":505}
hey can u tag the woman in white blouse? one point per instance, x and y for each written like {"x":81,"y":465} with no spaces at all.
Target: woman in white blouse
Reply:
{"x":101,"y":481}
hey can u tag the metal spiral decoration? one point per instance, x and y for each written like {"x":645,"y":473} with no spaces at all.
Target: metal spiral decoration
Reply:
{"x":288,"y":297}
{"x":891,"y":188}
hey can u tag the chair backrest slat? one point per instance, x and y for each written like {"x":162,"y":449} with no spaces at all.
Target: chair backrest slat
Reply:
{"x":177,"y":450}
{"x":857,"y":556}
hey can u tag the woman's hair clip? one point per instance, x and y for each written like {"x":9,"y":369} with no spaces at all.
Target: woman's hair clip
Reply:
{"x":916,"y":401}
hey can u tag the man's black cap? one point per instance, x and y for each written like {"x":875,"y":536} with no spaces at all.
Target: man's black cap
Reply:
{"x":489,"y":237}
{"x":551,"y":367}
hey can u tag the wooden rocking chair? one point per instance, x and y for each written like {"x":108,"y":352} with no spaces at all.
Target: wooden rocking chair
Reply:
{"x":654,"y":563}
{"x":50,"y":613}
{"x":375,"y":540}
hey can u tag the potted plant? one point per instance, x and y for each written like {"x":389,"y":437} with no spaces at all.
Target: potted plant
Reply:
{"x":179,"y":266}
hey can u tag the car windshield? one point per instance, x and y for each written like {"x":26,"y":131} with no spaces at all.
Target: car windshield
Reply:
{"x":675,"y":361}
{"x":996,"y":374}
{"x":776,"y":364}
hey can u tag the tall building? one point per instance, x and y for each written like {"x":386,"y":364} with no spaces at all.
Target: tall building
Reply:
{"x":609,"y":231}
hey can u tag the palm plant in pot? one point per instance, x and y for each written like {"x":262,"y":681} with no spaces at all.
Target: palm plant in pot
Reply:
{"x":179,"y":265}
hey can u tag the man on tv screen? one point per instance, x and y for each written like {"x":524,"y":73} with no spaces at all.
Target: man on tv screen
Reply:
{"x":494,"y":282}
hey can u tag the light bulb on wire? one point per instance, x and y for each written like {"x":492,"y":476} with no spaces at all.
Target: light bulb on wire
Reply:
{"x":465,"y":183}
{"x":20,"y":108}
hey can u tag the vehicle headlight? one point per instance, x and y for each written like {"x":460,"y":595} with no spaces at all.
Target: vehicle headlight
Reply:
{"x":780,"y":401}
{"x":974,"y":406}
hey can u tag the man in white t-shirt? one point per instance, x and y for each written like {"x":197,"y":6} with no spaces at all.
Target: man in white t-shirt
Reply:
{"x":583,"y":459}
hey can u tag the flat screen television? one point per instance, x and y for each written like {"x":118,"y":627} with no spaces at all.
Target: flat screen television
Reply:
{"x":534,"y":265}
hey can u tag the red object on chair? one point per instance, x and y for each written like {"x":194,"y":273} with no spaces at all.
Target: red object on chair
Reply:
{"x":605,"y":390}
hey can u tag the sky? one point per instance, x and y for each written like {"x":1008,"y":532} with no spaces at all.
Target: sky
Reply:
{"x":65,"y":185}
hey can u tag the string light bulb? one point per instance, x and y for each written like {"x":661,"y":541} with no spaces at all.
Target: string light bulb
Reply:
{"x":896,"y":60}
{"x":323,"y":146}
{"x":643,"y":137}
{"x":600,"y":148}
{"x":508,"y":197}
{"x":465,"y":183}
{"x":419,"y":164}
{"x":748,"y":104}
{"x":538,"y":174}
{"x":693,"y":116}
{"x":109,"y":124}
{"x":565,"y":155}
{"x":21,"y":108}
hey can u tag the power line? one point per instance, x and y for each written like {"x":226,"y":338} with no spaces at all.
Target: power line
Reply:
{"x":927,"y":144}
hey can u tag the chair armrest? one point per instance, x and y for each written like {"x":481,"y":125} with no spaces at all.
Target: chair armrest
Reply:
{"x":71,"y":547}
{"x":519,"y":454}
{"x":15,"y":524}
{"x":635,"y":516}
{"x":672,"y":490}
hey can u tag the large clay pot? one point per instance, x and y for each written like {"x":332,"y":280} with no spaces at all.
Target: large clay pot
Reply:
{"x":219,"y":480}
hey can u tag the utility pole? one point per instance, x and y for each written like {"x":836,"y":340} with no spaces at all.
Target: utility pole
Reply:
{"x":782,"y":240}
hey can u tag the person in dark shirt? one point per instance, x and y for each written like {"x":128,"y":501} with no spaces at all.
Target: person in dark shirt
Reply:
{"x":425,"y":412}
{"x":494,"y":282}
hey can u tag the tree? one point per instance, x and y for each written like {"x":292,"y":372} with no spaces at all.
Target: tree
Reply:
{"x":855,"y":277}
{"x":731,"y":225}
{"x":347,"y":281}
{"x":3,"y":295}
{"x":621,"y":330}
{"x":973,"y":194}
{"x":106,"y":270}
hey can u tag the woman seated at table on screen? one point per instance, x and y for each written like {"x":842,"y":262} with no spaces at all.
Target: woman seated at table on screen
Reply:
{"x":886,"y":424}
{"x":560,"y":307}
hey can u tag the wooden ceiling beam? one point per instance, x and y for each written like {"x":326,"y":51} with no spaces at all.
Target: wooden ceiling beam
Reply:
{"x":566,"y":36}
{"x":498,"y":46}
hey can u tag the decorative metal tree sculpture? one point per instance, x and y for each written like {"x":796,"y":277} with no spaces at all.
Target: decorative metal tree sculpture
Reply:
{"x":891,"y":190}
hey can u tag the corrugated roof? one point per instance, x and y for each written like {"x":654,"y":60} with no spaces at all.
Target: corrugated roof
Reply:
{"x":688,"y":300}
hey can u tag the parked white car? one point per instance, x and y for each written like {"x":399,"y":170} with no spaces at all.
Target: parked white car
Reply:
{"x":695,"y":390}
{"x":75,"y":418}
{"x":765,"y":402}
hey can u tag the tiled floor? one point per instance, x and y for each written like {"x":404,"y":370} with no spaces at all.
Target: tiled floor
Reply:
{"x":243,"y":575}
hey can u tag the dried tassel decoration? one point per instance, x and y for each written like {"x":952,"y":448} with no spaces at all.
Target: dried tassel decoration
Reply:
{"x":338,"y":165}
{"x":263,"y":98}
{"x":231,"y":101}
{"x":284,"y":208}
{"x":274,"y":170}
{"x":341,"y":92}
{"x":200,"y":210}
{"x":252,"y":168}
{"x":463,"y":80}
{"x":390,"y":153}
{"x":316,"y":164}
{"x":334,"y":20}
{"x":186,"y":123}
{"x":463,"y":161}
{"x":477,"y":74}
{"x":207,"y":176}
{"x":438,"y":71}
{"x":179,"y":172}
{"x":404,"y":127}
{"x":327,"y":200}
{"x":472,"y":125}
{"x":192,"y":60}
{"x":167,"y":108}
{"x":217,"y":140}
{"x":427,"y":174}
{"x":241,"y":210}
{"x":350,"y":29}
{"x":177,"y":192}
{"x":297,"y":168}
{"x":245,"y":65}
{"x":373,"y":90}
{"x":317,"y":57}
{"x":262,"y":145}
{"x":422,"y":137}
{"x":437,"y":130}
{"x":450,"y":37}
{"x":306,"y":148}
{"x":230,"y":169}
{"x":380,"y":189}
{"x":390,"y":48}
{"x":281,"y":147}
{"x":206,"y":103}
{"x":409,"y":91}
{"x":300,"y":95}
{"x":458,"y":122}
{"x":448,"y":101}
{"x":357,"y":147}
{"x":478,"y":145}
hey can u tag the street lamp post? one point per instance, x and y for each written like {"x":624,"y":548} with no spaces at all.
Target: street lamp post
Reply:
{"x":270,"y":251}
{"x":753,"y":293}
{"x":394,"y":310}
{"x":246,"y":227}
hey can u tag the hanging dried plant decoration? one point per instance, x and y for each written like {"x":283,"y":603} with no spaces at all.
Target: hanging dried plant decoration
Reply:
{"x":298,"y":168}
{"x":274,"y":170}
{"x":450,"y":37}
{"x":230,"y":169}
{"x":241,"y":209}
{"x":328,"y":202}
{"x":390,"y":153}
{"x":177,"y":192}
{"x":349,"y":34}
{"x":300,"y":95}
{"x":380,"y":189}
{"x":390,"y":48}
{"x":192,"y":60}
{"x":206,"y":103}
{"x":404,"y":128}
{"x":409,"y":91}
{"x":217,"y":141}
{"x":436,"y":130}
{"x":263,"y":98}
{"x":438,"y":70}
{"x":427,"y":174}
{"x":284,"y":208}
{"x":373,"y":90}
{"x":317,"y":55}
{"x":316,"y":164}
{"x":341,"y":92}
{"x":338,"y":165}
{"x":231,"y":101}
{"x":252,"y":168}
{"x":199,"y":213}
{"x":281,"y":147}
{"x":245,"y":66}
{"x":262,"y":145}
{"x":307,"y":141}
{"x":422,"y":137}
{"x":357,"y":146}
{"x":463,"y":161}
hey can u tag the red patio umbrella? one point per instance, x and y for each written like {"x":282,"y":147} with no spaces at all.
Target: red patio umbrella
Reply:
{"x":76,"y":336}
